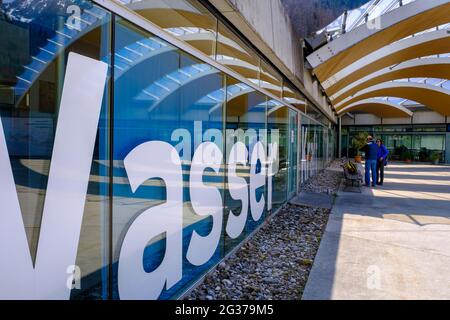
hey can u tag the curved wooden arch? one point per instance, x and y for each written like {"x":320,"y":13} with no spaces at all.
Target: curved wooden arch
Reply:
{"x":172,"y":14}
{"x":431,"y":43}
{"x":395,"y":25}
{"x":380,"y":108}
{"x":247,"y":70}
{"x":436,"y":98}
{"x":419,"y":68}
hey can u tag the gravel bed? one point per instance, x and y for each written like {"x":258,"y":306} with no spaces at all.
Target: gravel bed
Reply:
{"x":327,"y":181}
{"x":275,"y":263}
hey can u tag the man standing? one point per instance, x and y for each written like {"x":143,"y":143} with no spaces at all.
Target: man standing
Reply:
{"x":371,"y":152}
{"x":381,"y":161}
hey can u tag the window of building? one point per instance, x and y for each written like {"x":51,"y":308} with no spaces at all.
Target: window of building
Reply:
{"x":187,"y":20}
{"x":34,"y":53}
{"x":236,"y":55}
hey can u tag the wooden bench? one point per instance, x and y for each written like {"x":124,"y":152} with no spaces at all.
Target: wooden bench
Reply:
{"x":353,"y":177}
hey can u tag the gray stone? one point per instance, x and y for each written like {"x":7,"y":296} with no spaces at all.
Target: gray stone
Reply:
{"x":272,"y":264}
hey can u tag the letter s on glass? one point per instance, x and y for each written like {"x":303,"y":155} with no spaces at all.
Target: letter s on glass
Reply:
{"x":238,"y":189}
{"x":206,"y":200}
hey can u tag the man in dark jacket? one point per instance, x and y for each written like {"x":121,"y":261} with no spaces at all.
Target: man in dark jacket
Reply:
{"x":371,"y":151}
{"x":381,"y":161}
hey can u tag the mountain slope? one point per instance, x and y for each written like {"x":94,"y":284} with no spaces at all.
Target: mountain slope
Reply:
{"x":308,"y":16}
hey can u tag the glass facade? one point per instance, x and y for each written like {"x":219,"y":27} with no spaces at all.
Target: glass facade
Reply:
{"x":187,"y":160}
{"x":315,"y":148}
{"x":420,"y":140}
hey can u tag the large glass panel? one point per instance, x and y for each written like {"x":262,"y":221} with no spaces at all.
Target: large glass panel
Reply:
{"x":425,"y":144}
{"x":311,"y":154}
{"x":320,"y":147}
{"x":433,"y":142}
{"x":278,"y":119}
{"x":312,"y":112}
{"x":344,"y":142}
{"x":271,"y":80}
{"x":292,"y":165}
{"x":236,"y":55}
{"x":35,"y":43}
{"x":332,"y":143}
{"x":313,"y":147}
{"x":293,"y":97}
{"x":176,"y":104}
{"x":187,"y":20}
{"x":304,"y":156}
{"x":245,"y":123}
{"x":399,"y":144}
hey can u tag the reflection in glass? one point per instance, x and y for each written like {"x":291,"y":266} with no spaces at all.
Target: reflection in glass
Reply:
{"x":236,"y":55}
{"x":278,"y":118}
{"x":294,"y":98}
{"x":245,"y":123}
{"x":293,"y":141}
{"x":271,"y":80}
{"x":187,"y":20}
{"x":175,"y":103}
{"x":35,"y":42}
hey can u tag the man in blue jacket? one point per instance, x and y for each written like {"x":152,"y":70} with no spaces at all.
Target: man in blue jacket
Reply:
{"x":381,"y":161}
{"x":371,"y":151}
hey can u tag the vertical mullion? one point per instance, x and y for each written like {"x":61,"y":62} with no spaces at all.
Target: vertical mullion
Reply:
{"x":225,"y":152}
{"x":111,"y":157}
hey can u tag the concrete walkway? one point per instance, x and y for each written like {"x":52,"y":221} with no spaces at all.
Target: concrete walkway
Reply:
{"x":391,"y":242}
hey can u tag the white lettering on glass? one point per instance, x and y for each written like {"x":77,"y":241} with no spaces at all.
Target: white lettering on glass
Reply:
{"x":65,"y":196}
{"x":67,"y":187}
{"x":257,"y":180}
{"x":238,"y":189}
{"x":206,"y":200}
{"x":154,"y":159}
